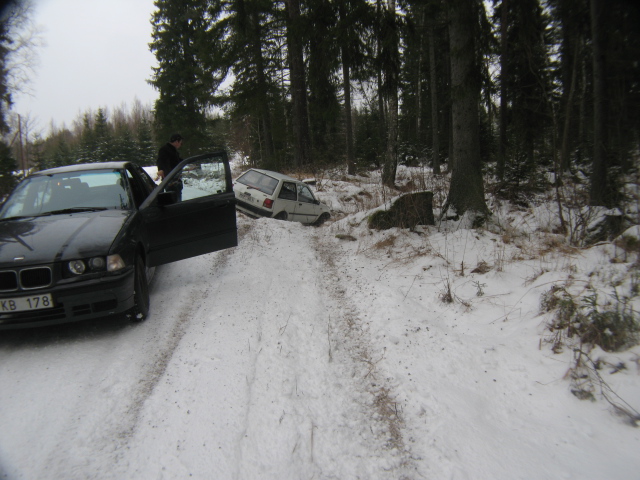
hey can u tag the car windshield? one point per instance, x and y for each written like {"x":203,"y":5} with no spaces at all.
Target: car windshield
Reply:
{"x":259,"y":181}
{"x":67,"y":193}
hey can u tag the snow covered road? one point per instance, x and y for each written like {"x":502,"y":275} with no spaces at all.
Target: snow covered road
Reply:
{"x":297,"y":355}
{"x":245,"y":369}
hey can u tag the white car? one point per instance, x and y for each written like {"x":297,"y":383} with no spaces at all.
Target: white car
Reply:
{"x":262,"y":193}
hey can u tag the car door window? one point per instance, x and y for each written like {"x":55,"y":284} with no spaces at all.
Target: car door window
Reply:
{"x":305,"y":195}
{"x":202,"y":178}
{"x":288,"y":191}
{"x":137,"y":188}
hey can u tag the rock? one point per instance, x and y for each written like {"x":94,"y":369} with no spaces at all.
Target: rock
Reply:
{"x":406,"y":212}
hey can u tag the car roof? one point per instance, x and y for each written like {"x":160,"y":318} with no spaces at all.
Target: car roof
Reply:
{"x":84,"y":166}
{"x":276,"y":175}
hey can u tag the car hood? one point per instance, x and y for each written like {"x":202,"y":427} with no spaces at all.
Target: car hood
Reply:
{"x":46,"y":239}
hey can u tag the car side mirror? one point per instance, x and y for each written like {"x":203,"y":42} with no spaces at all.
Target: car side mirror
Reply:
{"x":167,"y":198}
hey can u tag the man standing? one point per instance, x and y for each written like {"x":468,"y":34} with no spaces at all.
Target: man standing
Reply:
{"x":168,"y":159}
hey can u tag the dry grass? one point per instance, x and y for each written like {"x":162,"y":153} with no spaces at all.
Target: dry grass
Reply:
{"x":386,"y":243}
{"x":482,"y":267}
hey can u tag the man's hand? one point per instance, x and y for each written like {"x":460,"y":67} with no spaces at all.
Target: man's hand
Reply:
{"x":160,"y":175}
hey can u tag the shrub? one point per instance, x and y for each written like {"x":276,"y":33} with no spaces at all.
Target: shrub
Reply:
{"x":612,"y":327}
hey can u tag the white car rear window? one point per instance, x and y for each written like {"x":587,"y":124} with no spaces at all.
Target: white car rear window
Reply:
{"x":259,"y":181}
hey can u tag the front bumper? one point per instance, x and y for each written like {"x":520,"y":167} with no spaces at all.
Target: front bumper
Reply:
{"x":77,"y":301}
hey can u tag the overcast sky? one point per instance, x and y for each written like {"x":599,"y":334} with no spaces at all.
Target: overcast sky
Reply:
{"x":96,"y":55}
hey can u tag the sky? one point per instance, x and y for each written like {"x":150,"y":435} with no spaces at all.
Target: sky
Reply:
{"x":301,"y":354}
{"x":96,"y":55}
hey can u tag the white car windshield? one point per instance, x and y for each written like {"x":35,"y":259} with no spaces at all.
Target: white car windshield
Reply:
{"x":67,"y":193}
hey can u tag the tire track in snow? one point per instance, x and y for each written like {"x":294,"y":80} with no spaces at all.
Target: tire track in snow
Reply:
{"x":317,"y":405}
{"x":107,"y":425}
{"x":164,"y":356}
{"x":349,"y":339}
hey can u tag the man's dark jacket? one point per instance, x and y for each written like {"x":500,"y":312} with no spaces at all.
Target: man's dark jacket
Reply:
{"x":168,"y":158}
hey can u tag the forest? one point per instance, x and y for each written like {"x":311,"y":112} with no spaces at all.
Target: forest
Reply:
{"x":501,"y":89}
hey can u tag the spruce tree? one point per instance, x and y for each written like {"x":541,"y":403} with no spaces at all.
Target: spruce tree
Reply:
{"x":185,"y":78}
{"x":105,"y":149}
{"x":254,"y":61}
{"x":62,"y":155}
{"x":87,"y":147}
{"x":147,"y":152}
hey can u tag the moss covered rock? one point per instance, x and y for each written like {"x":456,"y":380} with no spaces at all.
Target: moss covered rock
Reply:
{"x":406,"y":212}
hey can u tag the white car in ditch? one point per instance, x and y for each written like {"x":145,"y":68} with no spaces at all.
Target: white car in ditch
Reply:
{"x":262,"y":193}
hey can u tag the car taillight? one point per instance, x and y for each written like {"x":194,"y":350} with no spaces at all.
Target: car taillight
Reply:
{"x":268,"y":203}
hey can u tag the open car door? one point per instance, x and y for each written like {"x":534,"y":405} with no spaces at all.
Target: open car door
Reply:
{"x":192,"y":212}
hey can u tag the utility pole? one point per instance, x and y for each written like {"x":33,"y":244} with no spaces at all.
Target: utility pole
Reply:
{"x":22,"y":159}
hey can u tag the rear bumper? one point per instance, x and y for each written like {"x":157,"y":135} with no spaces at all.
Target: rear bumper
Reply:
{"x":252,"y":210}
{"x":78,"y":301}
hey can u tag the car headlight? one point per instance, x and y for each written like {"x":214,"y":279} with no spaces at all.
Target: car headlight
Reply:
{"x":115,"y":263}
{"x":97,"y":263}
{"x":77,"y":267}
{"x":89,"y":265}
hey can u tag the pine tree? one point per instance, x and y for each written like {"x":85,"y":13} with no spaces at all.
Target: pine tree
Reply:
{"x":185,"y":77}
{"x":125,"y":147}
{"x":147,"y":152}
{"x":104,"y":141}
{"x":254,"y":60}
{"x":87,"y":148}
{"x":62,"y":154}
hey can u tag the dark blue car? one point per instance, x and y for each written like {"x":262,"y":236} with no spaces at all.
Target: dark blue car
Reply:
{"x":82,"y":241}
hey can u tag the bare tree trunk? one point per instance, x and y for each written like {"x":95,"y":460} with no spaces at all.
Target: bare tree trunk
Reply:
{"x":466,"y":191}
{"x":418,"y":81}
{"x":264,"y":123}
{"x":298,"y":86}
{"x":348,"y":120}
{"x":504,"y":52}
{"x":435,"y":133}
{"x":382,"y":124}
{"x":599,"y":170}
{"x":564,"y":155}
{"x":391,"y":73}
{"x":346,"y":86}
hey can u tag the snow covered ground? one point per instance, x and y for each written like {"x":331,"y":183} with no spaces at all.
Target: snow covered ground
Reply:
{"x":331,"y":353}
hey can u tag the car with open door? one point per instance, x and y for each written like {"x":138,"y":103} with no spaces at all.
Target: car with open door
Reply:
{"x":82,"y":241}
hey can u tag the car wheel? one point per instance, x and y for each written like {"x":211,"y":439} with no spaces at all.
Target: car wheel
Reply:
{"x":140,"y":310}
{"x":321,"y":219}
{"x":281,"y":216}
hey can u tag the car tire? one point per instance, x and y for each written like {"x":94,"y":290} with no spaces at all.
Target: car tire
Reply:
{"x":140,"y":310}
{"x":281,"y":216}
{"x":321,"y":219}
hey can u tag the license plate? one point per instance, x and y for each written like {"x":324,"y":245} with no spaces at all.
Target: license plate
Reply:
{"x":22,"y":304}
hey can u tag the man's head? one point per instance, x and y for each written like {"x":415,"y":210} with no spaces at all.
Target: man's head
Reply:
{"x":176,"y":140}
